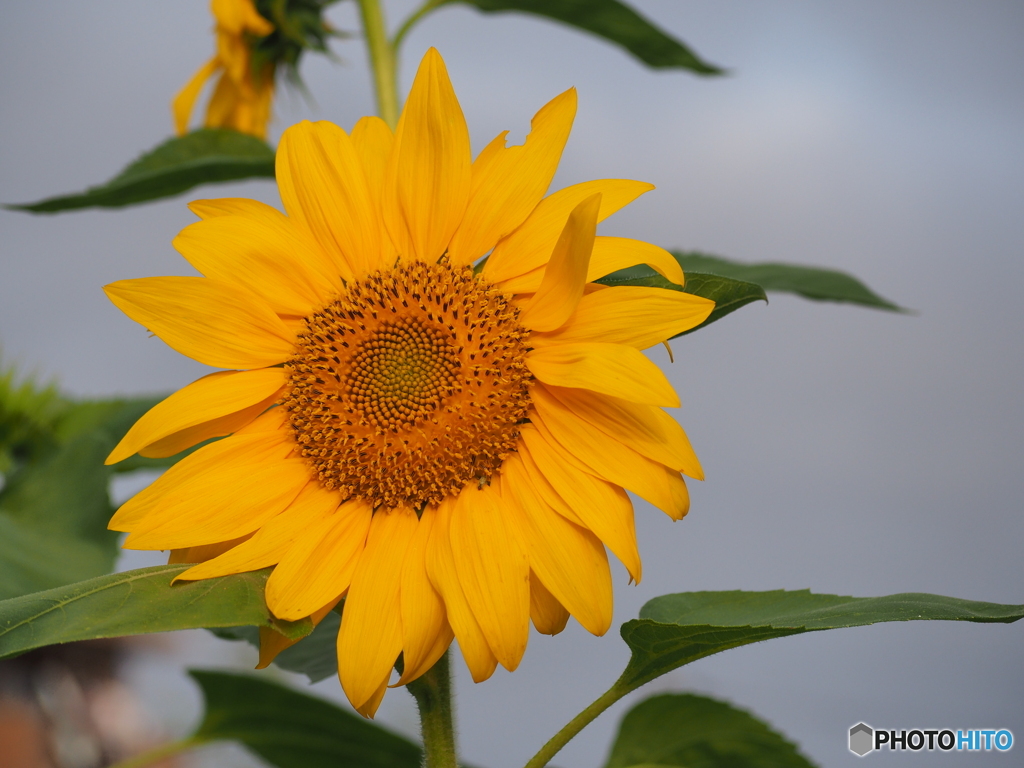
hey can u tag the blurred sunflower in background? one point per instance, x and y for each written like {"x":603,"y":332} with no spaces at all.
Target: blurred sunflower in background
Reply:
{"x":444,"y":441}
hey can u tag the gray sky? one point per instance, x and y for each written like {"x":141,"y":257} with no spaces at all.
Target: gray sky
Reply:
{"x":847,"y":450}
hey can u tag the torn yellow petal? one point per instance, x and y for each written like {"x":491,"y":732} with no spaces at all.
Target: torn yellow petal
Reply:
{"x":529,"y":246}
{"x":208,"y":320}
{"x":320,"y":563}
{"x":548,"y":615}
{"x":371,"y":624}
{"x":612,"y":369}
{"x":428,"y":176}
{"x":322,"y":184}
{"x":508,"y":182}
{"x":210,"y":398}
{"x":562,"y":287}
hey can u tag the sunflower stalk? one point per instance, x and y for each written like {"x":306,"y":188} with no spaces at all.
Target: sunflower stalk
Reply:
{"x":433,"y":694}
{"x":382,"y":60}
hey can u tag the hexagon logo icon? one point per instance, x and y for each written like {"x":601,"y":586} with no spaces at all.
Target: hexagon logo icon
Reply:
{"x":862,"y":739}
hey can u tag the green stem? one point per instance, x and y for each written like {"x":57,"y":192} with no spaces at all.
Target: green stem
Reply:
{"x":577,"y":724}
{"x":155,"y":755}
{"x":382,"y":60}
{"x":418,"y":14}
{"x":433,"y":693}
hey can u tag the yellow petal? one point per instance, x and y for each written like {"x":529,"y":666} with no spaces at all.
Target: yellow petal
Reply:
{"x":222,"y":501}
{"x":371,"y":625}
{"x":274,"y":539}
{"x":205,"y":552}
{"x":646,"y":429}
{"x":426,"y":633}
{"x":269,"y":255}
{"x":569,"y":560}
{"x":633,"y":315}
{"x":182,"y":105}
{"x":493,"y":570}
{"x":541,"y":488}
{"x":549,"y":616}
{"x":273,"y":642}
{"x":604,"y":507}
{"x":238,"y":16}
{"x":208,"y":320}
{"x":562,"y":287}
{"x":373,"y":141}
{"x":233,"y":206}
{"x":323,"y":186}
{"x":369,"y":708}
{"x":225,"y":101}
{"x":612,"y":369}
{"x":441,"y":570}
{"x":608,"y":458}
{"x":530,"y":245}
{"x":212,"y":397}
{"x":428,"y":176}
{"x":224,"y":425}
{"x":319,"y":565}
{"x":508,"y":182}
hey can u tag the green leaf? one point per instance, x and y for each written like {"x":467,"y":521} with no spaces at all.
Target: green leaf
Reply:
{"x":316,"y":656}
{"x":201,"y":157}
{"x":615,"y":22}
{"x":810,"y":282}
{"x":674,"y":630}
{"x":728,"y":293}
{"x":699,"y":732}
{"x":134,"y":603}
{"x":289,"y":729}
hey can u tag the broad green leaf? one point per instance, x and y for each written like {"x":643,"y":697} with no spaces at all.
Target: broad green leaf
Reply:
{"x":810,"y":282}
{"x":134,"y":603}
{"x":201,"y":157}
{"x":727,"y":293}
{"x":615,"y":22}
{"x":674,"y":630}
{"x":289,"y":729}
{"x":699,"y":732}
{"x":316,"y":656}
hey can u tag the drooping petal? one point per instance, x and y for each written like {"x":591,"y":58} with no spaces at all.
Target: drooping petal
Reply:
{"x":530,"y":245}
{"x":428,"y":177}
{"x":569,"y":560}
{"x":508,"y":182}
{"x":608,"y":458}
{"x":320,"y":563}
{"x":602,"y":506}
{"x":612,"y":369}
{"x":633,"y":315}
{"x":370,"y":638}
{"x":494,"y":571}
{"x":273,"y":642}
{"x":548,"y":615}
{"x":208,"y":320}
{"x":183,"y":103}
{"x":221,"y":501}
{"x":270,"y":256}
{"x":646,"y":429}
{"x":562,"y":287}
{"x":441,"y":570}
{"x":614,"y":253}
{"x":426,"y":633}
{"x":274,"y":539}
{"x":322,"y":185}
{"x":210,"y":398}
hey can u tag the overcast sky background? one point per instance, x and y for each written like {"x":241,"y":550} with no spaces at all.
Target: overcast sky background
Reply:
{"x":847,"y":450}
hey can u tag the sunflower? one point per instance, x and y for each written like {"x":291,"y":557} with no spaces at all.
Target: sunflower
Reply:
{"x":447,"y":447}
{"x":241,"y":99}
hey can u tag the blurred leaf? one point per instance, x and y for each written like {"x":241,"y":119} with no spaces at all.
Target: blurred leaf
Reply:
{"x":810,"y":282}
{"x":289,"y":729}
{"x":28,"y":415}
{"x":316,"y":656}
{"x":674,"y":630}
{"x":615,"y":22}
{"x":201,"y":157}
{"x":727,"y":293}
{"x":699,"y":732}
{"x":134,"y":603}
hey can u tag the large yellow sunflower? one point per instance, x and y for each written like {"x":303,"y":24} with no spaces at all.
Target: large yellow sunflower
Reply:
{"x":242,"y":97}
{"x":448,"y":448}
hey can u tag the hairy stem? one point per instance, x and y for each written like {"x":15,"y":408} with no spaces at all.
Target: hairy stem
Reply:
{"x":433,"y":693}
{"x":577,"y":724}
{"x":157,"y":754}
{"x":382,"y":60}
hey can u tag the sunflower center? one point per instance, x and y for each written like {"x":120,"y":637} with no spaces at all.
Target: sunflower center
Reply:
{"x":409,"y":385}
